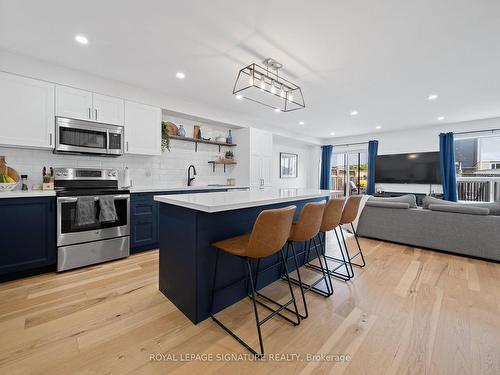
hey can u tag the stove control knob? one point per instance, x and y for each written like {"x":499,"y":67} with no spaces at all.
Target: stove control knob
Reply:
{"x":58,"y":173}
{"x":109,"y":174}
{"x":114,"y":173}
{"x":65,"y":174}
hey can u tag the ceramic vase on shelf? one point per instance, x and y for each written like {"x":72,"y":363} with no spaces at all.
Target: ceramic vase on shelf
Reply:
{"x":181,"y":132}
{"x":229,"y":138}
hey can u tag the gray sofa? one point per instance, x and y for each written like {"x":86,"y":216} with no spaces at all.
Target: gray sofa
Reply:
{"x":452,"y":227}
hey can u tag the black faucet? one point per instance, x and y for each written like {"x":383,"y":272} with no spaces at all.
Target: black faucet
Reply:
{"x":190,"y":179}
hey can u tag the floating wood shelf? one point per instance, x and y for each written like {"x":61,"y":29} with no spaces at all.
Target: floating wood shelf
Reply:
{"x":196,"y":141}
{"x":223,"y":162}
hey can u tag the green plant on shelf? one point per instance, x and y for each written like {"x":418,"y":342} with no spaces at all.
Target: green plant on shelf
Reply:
{"x":229,"y":155}
{"x":165,"y":138}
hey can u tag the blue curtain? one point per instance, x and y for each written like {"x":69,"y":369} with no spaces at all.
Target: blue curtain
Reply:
{"x":372,"y":157}
{"x":326,"y":167}
{"x":447,"y":161}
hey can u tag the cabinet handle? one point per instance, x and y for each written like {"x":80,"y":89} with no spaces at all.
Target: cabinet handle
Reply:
{"x":127,"y":145}
{"x":50,"y":139}
{"x":95,"y":114}
{"x":90,"y":115}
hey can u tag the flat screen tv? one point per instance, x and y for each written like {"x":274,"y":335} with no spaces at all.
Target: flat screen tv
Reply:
{"x":417,"y":168}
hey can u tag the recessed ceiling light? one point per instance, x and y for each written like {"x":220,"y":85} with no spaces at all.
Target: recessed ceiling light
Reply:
{"x":332,"y":133}
{"x":301,"y":122}
{"x":239,"y":97}
{"x":277,"y":110}
{"x":432,"y":97}
{"x":180,"y":75}
{"x":354,"y":113}
{"x":378,"y":127}
{"x":81,"y":39}
{"x":440,"y":118}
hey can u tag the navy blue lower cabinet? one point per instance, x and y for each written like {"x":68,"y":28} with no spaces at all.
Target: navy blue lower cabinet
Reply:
{"x":28,"y":241}
{"x":143,"y":222}
{"x":144,"y":218}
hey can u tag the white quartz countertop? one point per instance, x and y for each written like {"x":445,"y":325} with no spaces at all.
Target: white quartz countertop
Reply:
{"x":27,"y":194}
{"x":232,"y":200}
{"x":152,"y":189}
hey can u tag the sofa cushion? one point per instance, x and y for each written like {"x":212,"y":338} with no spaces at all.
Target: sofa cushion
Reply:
{"x":493,"y":207}
{"x":459,"y":209}
{"x":427,"y":201}
{"x":397,"y":205}
{"x":408,"y":198}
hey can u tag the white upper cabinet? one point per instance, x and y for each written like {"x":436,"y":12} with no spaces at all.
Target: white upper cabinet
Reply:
{"x":85,"y":105}
{"x":261,"y":151}
{"x":73,"y":103}
{"x":108,"y":109}
{"x":142,"y":129}
{"x":26,"y":112}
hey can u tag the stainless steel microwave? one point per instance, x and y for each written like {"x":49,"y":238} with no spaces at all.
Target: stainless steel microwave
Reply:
{"x":86,"y":137}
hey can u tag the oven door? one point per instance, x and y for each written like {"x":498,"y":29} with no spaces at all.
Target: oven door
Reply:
{"x":88,"y":138}
{"x":69,"y":232}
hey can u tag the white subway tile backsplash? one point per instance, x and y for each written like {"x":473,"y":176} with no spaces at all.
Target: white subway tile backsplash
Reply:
{"x":168,"y":169}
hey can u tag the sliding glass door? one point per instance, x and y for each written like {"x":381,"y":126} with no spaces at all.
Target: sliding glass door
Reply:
{"x":477,"y":158}
{"x":349,"y":172}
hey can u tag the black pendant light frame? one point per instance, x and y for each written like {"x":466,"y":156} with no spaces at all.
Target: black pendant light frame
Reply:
{"x":254,"y":74}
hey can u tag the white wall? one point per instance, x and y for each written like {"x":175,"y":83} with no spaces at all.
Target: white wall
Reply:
{"x":169,"y":169}
{"x":308,"y":164}
{"x":34,"y":68}
{"x":416,"y":139}
{"x":424,"y":139}
{"x":166,"y":170}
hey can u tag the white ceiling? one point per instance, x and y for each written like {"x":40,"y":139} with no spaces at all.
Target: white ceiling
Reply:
{"x":381,"y":58}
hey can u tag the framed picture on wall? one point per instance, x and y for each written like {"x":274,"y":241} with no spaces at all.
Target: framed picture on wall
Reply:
{"x":289,"y":164}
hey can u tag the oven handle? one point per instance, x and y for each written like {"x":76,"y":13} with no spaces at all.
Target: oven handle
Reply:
{"x":96,"y":198}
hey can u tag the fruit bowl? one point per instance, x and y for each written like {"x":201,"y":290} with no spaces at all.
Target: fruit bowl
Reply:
{"x":9,"y":186}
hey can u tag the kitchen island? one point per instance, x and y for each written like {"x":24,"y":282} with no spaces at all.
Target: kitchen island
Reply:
{"x":190,"y":223}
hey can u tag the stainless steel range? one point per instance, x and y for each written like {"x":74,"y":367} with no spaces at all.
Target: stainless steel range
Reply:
{"x":93,"y":217}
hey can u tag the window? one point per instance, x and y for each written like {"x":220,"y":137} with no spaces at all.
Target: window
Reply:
{"x":478,"y":156}
{"x":477,"y":160}
{"x":349,"y":172}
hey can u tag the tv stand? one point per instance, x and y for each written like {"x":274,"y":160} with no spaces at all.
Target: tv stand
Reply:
{"x":419,"y":196}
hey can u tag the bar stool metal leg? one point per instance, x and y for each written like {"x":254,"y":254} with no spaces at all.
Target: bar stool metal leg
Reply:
{"x":324,"y":270}
{"x":299,"y":279}
{"x":253,"y":295}
{"x":257,"y":322}
{"x":360,"y":252}
{"x":282,"y":264}
{"x":344,"y":262}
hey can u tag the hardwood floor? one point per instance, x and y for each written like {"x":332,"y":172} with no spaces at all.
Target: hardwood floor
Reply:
{"x":408,"y":311}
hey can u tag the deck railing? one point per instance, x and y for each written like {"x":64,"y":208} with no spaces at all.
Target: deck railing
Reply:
{"x":478,"y":189}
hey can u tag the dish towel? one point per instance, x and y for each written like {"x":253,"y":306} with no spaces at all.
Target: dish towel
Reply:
{"x":85,"y":211}
{"x":107,"y":213}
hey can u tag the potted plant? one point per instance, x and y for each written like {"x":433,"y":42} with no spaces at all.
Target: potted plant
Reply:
{"x":165,"y":138}
{"x":229,"y":155}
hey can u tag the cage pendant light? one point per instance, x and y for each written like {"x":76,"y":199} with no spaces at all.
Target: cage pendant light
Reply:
{"x":265,"y":86}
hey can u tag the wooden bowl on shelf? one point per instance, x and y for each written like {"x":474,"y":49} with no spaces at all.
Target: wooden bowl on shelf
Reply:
{"x":171,"y":128}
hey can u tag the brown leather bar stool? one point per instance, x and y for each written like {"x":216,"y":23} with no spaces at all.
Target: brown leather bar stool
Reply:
{"x":331,"y":220}
{"x":305,"y":230}
{"x":349,"y":214}
{"x":269,"y":235}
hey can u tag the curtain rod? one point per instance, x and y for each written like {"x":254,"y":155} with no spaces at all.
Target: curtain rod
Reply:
{"x":478,"y":131}
{"x":350,"y":144}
